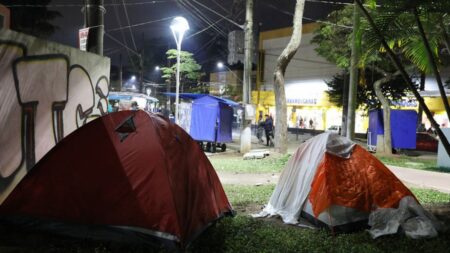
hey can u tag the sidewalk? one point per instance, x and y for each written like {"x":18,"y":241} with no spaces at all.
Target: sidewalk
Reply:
{"x":413,"y":177}
{"x":423,"y":179}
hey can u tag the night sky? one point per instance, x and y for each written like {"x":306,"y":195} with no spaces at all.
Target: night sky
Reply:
{"x":269,"y":14}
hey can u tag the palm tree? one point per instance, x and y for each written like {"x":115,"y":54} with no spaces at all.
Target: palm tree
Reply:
{"x":390,"y":22}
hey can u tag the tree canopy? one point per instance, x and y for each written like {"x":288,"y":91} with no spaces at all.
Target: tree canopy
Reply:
{"x":333,"y":39}
{"x":190,"y":71}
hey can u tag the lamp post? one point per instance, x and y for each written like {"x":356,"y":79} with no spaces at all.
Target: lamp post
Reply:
{"x":179,"y":26}
{"x":220,"y":65}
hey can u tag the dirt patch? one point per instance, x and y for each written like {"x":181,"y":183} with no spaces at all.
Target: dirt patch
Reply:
{"x":442,"y":213}
{"x":248,"y":179}
{"x":249,"y":209}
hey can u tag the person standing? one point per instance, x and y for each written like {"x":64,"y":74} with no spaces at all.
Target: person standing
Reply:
{"x":268,"y":127}
{"x":260,"y":129}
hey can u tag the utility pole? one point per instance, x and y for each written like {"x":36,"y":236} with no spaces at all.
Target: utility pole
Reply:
{"x":353,"y":85}
{"x":246,"y":131}
{"x":141,"y":65}
{"x":120,"y":74}
{"x":168,"y":110}
{"x":94,"y":20}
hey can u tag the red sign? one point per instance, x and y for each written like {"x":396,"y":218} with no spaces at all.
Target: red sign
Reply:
{"x":83,"y":38}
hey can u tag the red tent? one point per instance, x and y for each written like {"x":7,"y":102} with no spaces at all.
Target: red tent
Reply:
{"x":129,"y":171}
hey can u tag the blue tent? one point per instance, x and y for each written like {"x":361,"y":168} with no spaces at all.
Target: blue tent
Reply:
{"x":211,"y":117}
{"x":403,"y":128}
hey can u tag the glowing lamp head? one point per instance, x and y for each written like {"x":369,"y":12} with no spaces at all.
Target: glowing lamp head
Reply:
{"x":179,"y":25}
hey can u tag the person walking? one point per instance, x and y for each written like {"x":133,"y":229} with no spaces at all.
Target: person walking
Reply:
{"x":268,"y":127}
{"x":260,"y":129}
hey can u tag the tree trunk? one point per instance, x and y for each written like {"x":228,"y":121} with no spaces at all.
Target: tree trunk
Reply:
{"x":421,"y":88}
{"x":246,"y":132}
{"x":280,"y":69}
{"x":445,"y":35}
{"x":406,"y":77}
{"x":386,"y":116}
{"x":437,"y":75}
{"x":344,"y":105}
{"x":353,"y":85}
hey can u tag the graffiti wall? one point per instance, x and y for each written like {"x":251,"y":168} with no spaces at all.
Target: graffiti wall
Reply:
{"x":47,"y":91}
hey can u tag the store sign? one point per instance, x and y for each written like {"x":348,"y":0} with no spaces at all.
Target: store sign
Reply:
{"x":303,"y":101}
{"x":83,"y":38}
{"x":405,"y":103}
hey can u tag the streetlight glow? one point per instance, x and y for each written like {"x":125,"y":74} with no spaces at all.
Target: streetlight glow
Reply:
{"x":179,"y":26}
{"x":157,"y":68}
{"x":133,"y":78}
{"x":220,"y":65}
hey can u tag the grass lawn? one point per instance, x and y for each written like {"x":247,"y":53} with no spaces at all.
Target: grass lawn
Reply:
{"x":236,"y":164}
{"x":241,"y":195}
{"x":245,"y":234}
{"x":276,"y":163}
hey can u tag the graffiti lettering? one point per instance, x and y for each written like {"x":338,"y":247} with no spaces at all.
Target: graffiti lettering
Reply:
{"x":44,"y":98}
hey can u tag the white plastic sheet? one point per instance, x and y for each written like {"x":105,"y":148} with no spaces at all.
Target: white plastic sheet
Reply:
{"x":294,"y":185}
{"x":410,"y":217}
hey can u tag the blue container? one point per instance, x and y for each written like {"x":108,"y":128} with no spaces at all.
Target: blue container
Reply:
{"x":403,"y":128}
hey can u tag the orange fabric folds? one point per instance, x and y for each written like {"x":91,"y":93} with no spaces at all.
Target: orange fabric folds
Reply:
{"x":361,"y":182}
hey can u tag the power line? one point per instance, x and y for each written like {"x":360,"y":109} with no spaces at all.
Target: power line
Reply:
{"x":220,"y":6}
{"x":306,"y":18}
{"x":128,"y":20}
{"x":140,"y":24}
{"x":220,"y":15}
{"x":200,"y":18}
{"x":120,"y":43}
{"x":338,"y":3}
{"x":207,"y":44}
{"x":82,"y":5}
{"x":204,"y":29}
{"x":116,"y":12}
{"x":329,"y":2}
{"x":207,"y":20}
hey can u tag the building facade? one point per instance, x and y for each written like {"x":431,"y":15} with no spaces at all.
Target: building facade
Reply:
{"x":305,"y":84}
{"x":306,"y":97}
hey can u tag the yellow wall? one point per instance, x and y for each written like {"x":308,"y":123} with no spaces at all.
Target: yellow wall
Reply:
{"x":435,"y":104}
{"x":285,"y":32}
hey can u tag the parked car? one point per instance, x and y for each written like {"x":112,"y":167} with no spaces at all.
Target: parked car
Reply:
{"x":334,"y":129}
{"x":426,"y":142}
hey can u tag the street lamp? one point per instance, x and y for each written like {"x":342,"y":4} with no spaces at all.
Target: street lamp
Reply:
{"x":133,"y":78}
{"x":220,"y":65}
{"x":179,"y":26}
{"x":157,"y":68}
